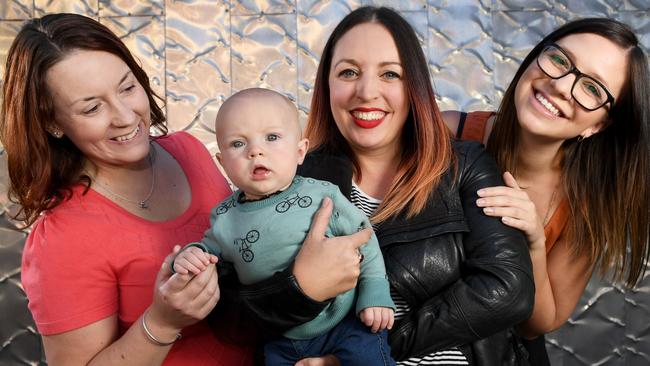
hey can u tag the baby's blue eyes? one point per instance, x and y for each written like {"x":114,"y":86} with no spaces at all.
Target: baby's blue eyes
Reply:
{"x":239,"y":143}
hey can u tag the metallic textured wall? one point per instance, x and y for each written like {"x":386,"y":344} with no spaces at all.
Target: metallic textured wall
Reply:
{"x":198,"y":52}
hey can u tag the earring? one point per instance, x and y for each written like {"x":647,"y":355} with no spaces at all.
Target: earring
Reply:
{"x":56,"y":133}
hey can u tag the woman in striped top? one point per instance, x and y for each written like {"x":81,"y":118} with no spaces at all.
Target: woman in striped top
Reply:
{"x":461,"y":279}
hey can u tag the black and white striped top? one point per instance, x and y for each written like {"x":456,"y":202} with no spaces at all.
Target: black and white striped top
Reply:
{"x":452,"y":356}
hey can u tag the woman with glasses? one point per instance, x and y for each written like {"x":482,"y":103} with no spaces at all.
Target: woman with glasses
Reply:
{"x":572,"y":135}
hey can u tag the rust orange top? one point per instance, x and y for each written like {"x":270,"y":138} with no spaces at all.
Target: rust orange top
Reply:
{"x":471,"y":127}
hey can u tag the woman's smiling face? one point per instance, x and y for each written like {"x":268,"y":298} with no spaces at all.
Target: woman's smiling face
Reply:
{"x":101,"y":107}
{"x":368,"y":97}
{"x":545,"y":106}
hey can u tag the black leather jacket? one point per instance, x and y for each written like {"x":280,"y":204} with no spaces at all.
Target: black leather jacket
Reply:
{"x":466,"y":276}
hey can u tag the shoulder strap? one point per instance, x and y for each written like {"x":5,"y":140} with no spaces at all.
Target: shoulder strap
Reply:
{"x":461,"y":124}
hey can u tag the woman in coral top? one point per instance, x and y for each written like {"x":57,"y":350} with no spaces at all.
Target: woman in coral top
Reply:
{"x":572,"y":134}
{"x":108,"y":203}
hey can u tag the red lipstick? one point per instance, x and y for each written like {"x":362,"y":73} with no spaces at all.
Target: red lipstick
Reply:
{"x":365,"y":123}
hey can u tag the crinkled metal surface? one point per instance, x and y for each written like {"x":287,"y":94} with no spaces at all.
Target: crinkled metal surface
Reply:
{"x":198,"y":52}
{"x":86,"y":7}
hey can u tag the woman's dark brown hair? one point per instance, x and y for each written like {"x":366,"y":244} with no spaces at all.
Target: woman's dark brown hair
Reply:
{"x":42,"y":169}
{"x":605,"y":176}
{"x":426,"y":145}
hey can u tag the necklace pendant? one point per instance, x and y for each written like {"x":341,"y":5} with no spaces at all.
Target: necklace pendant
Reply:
{"x":143,"y":205}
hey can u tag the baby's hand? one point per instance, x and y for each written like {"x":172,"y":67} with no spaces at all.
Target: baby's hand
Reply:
{"x":193,"y":260}
{"x":378,"y":318}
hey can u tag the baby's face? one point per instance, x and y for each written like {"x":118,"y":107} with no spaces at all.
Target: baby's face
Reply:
{"x":260,"y":144}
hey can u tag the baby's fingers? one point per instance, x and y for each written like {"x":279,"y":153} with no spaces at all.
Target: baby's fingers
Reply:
{"x":184,"y":265}
{"x":385,"y":317}
{"x":178,"y":268}
{"x":377,"y":320}
{"x":367,"y":316}
{"x":199,"y":254}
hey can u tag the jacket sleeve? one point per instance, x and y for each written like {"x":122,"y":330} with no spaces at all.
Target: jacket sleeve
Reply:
{"x":272,"y":306}
{"x":495,"y":290}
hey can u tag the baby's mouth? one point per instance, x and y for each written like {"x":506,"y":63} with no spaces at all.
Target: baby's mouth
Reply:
{"x":260,"y":170}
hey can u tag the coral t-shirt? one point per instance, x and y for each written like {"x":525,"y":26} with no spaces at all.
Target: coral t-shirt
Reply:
{"x":88,"y":259}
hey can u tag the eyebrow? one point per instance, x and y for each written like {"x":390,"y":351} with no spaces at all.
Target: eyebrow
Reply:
{"x":595,"y":75}
{"x":352,"y":61}
{"x":85,"y":99}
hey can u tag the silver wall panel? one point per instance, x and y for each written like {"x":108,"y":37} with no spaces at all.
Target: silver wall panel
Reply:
{"x":131,"y":8}
{"x":264,"y":52}
{"x":86,"y":7}
{"x":460,"y":43}
{"x":197,"y":43}
{"x":198,"y":52}
{"x":256,"y":7}
{"x":16,"y":9}
{"x":145,"y":37}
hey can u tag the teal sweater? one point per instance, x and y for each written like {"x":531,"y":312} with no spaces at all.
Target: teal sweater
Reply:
{"x":262,"y":237}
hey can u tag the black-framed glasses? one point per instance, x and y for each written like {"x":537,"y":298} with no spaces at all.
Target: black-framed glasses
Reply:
{"x":590,"y":93}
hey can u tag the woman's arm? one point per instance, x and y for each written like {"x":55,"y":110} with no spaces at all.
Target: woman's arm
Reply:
{"x":98,"y":344}
{"x":179,"y":301}
{"x":560,"y":280}
{"x":560,"y":277}
{"x":496,"y":287}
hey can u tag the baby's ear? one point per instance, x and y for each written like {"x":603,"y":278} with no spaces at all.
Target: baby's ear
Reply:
{"x":218,"y":156}
{"x":303,"y":147}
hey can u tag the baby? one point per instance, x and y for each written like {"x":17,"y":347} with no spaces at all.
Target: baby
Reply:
{"x":260,"y":228}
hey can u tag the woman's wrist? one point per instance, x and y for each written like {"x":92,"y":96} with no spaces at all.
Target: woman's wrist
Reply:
{"x":302,"y":284}
{"x":156,"y":332}
{"x":538,"y":246}
{"x":154,"y":339}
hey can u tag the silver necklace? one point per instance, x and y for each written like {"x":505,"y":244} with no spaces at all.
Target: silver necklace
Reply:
{"x":141,"y":204}
{"x":550,"y":205}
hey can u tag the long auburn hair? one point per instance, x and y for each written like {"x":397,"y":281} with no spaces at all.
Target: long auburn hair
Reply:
{"x":605,"y":176}
{"x":42,"y":169}
{"x":426,"y":143}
